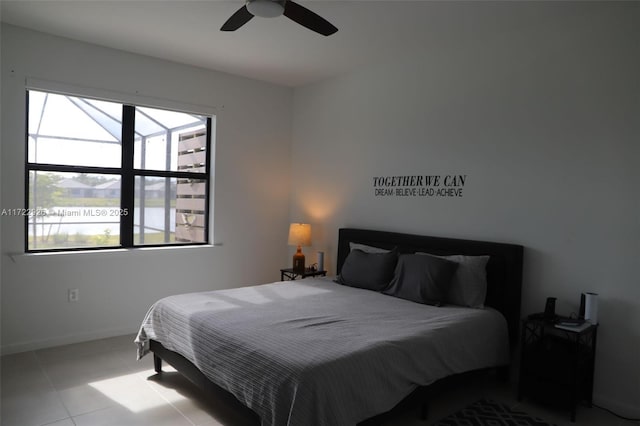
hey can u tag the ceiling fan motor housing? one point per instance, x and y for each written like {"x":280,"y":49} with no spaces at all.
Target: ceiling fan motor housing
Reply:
{"x":266,"y":8}
{"x":272,"y":8}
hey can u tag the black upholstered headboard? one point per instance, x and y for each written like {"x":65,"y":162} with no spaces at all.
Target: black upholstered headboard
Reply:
{"x":504,"y":269}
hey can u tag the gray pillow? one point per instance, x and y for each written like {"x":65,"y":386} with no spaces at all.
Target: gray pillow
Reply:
{"x":469,"y":283}
{"x":372,"y":271}
{"x":367,"y":249}
{"x":421,"y":279}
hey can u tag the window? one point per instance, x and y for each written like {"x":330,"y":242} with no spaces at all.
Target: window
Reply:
{"x":105,"y":174}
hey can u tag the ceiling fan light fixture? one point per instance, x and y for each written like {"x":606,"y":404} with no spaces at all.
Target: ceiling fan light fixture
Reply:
{"x":266,"y":8}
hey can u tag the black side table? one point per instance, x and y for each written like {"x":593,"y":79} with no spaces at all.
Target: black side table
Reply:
{"x":557,"y":364}
{"x":289,"y":274}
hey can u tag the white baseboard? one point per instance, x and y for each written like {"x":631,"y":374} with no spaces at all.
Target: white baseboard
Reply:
{"x":33,"y":345}
{"x":618,"y":407}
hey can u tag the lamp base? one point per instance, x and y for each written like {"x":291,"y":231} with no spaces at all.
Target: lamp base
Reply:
{"x":298,"y":262}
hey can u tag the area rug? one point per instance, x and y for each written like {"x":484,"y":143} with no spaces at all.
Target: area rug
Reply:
{"x":491,"y":413}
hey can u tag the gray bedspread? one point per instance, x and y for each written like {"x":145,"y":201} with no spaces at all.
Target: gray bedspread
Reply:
{"x":313,"y":352}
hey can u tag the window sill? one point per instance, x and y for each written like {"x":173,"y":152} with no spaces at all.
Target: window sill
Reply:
{"x":15,"y":257}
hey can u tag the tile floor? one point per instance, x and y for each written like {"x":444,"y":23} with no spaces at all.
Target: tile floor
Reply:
{"x":100,"y":383}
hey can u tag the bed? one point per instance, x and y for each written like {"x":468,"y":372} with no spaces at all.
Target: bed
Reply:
{"x":317,"y":352}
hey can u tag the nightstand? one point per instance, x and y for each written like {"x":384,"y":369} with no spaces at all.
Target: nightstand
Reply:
{"x":556,"y":364}
{"x":289,"y":274}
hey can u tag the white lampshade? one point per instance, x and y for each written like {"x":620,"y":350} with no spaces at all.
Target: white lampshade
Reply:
{"x":299,"y":234}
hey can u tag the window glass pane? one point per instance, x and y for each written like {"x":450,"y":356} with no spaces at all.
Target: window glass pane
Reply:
{"x":73,"y":210}
{"x":169,"y":210}
{"x":74,"y":131}
{"x":170,"y":141}
{"x":75,"y":153}
{"x":75,"y":144}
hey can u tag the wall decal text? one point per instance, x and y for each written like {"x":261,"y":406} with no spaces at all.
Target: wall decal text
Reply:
{"x":419,"y":186}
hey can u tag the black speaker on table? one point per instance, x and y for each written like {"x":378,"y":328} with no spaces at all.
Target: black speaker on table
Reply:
{"x":550,"y":308}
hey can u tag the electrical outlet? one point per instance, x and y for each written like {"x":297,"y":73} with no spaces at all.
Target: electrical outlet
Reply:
{"x":73,"y":294}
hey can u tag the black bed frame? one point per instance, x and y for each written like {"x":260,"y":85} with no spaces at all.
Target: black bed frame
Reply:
{"x":504,"y":282}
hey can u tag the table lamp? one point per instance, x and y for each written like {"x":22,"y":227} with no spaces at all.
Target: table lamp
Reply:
{"x":299,"y":235}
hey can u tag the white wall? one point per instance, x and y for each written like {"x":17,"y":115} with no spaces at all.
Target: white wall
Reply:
{"x":541,"y":111}
{"x":251,"y":202}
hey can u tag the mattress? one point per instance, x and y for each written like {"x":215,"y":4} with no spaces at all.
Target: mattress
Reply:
{"x":313,"y":352}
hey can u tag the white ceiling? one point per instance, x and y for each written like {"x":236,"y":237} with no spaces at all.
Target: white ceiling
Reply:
{"x":276,"y":50}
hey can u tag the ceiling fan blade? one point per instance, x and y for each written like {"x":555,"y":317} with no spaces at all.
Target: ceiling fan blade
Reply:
{"x":238,"y":19}
{"x":309,"y":19}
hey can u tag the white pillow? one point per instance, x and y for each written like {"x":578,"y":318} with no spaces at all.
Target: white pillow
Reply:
{"x":367,"y":249}
{"x":469,"y":283}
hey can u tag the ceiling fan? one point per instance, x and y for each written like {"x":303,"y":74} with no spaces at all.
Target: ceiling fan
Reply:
{"x":273,"y":8}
